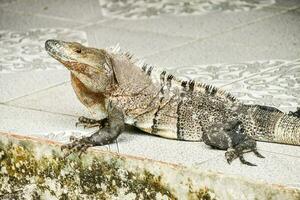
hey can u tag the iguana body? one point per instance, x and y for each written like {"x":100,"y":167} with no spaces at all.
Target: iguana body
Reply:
{"x":107,"y":80}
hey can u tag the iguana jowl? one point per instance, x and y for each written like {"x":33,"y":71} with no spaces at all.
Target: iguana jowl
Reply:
{"x":118,"y":89}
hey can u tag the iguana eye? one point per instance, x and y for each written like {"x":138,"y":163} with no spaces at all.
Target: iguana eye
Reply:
{"x":78,"y":50}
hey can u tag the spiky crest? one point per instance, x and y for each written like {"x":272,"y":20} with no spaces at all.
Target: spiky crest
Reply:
{"x":129,"y":55}
{"x":185,"y":85}
{"x":149,"y":70}
{"x":144,"y":68}
{"x":162,"y":75}
{"x":191,"y":85}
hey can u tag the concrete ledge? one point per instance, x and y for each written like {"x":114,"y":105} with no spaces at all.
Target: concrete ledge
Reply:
{"x":32,"y":168}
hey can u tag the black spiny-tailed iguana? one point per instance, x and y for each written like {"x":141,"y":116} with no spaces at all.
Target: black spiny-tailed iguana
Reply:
{"x":120,"y":91}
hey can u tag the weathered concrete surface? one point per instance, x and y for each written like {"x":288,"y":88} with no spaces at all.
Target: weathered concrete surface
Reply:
{"x":36,"y":169}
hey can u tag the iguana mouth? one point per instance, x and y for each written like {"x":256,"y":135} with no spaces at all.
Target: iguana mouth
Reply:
{"x":57,"y":49}
{"x":64,"y":53}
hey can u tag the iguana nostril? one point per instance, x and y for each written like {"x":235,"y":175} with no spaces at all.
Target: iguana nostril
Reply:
{"x":51,"y":43}
{"x":78,"y":50}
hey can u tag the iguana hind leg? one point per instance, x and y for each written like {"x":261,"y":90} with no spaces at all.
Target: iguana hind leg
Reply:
{"x":248,"y":145}
{"x":105,"y":135}
{"x":90,"y":123}
{"x":230,"y":136}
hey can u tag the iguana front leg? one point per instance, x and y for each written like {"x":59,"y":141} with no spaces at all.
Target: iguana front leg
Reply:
{"x":105,"y":135}
{"x":90,"y":123}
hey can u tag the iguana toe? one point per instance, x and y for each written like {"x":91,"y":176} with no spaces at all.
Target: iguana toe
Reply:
{"x":77,"y":145}
{"x":242,"y":159}
{"x":230,"y":155}
{"x":90,"y":123}
{"x":258,"y":154}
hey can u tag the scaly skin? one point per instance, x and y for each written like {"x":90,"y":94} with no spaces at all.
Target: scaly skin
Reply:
{"x":106,"y":80}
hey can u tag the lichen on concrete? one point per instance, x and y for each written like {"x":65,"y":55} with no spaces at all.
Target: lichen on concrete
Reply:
{"x":201,"y":194}
{"x":54,"y":176}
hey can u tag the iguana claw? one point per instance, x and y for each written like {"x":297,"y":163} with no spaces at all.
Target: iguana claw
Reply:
{"x":77,"y":145}
{"x":82,"y":144}
{"x":257,"y":153}
{"x":232,"y":154}
{"x":242,"y":159}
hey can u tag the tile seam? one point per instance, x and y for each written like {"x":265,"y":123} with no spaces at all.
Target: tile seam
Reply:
{"x":38,"y":110}
{"x":34,"y":92}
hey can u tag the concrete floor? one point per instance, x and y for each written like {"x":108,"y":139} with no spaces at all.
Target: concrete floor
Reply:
{"x":250,"y":48}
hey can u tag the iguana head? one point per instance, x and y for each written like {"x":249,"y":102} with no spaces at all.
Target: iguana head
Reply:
{"x":90,"y":65}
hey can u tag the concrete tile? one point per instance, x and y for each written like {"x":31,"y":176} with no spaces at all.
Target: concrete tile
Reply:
{"x":279,"y":33}
{"x":75,"y":10}
{"x":290,"y":150}
{"x":223,"y":73}
{"x":151,"y":9}
{"x":19,"y":21}
{"x":180,"y":152}
{"x":214,"y":51}
{"x":286,"y":3}
{"x":5,"y":2}
{"x":279,"y":87}
{"x":287,"y":109}
{"x":275,"y":168}
{"x":193,"y":25}
{"x":60,"y":99}
{"x":15,"y":85}
{"x":265,"y":40}
{"x":25,"y":121}
{"x":135,"y":42}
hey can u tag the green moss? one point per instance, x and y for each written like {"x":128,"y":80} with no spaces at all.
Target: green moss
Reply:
{"x":201,"y":194}
{"x":147,"y":185}
{"x":23,"y":173}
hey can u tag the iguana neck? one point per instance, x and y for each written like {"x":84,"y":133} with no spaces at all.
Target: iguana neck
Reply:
{"x":88,"y":98}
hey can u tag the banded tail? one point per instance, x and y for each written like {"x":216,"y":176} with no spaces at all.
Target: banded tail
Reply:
{"x":275,"y":126}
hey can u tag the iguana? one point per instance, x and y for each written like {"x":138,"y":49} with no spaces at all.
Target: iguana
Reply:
{"x":120,"y":90}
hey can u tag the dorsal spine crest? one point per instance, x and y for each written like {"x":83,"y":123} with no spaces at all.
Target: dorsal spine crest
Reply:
{"x":149,"y":70}
{"x":169,"y":80}
{"x":162,"y":76}
{"x":162,"y":81}
{"x":144,"y":68}
{"x":128,"y":55}
{"x":191,"y":85}
{"x":183,"y":84}
{"x":187,"y":86}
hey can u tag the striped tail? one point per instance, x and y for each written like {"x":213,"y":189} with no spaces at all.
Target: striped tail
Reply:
{"x":271,"y":125}
{"x":287,"y":130}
